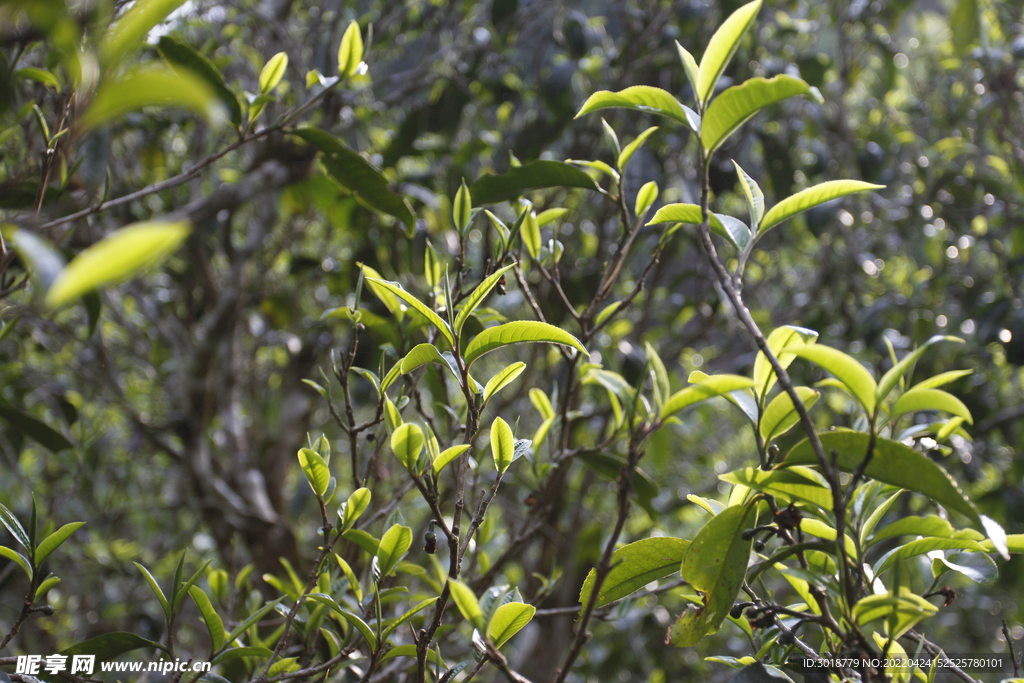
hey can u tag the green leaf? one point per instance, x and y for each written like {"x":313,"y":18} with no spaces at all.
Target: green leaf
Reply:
{"x":542,"y":403}
{"x":252,"y":619}
{"x":315,"y":468}
{"x":180,"y":54}
{"x":133,"y":27}
{"x":715,"y":385}
{"x":978,"y":567}
{"x":359,"y":177}
{"x":530,"y":234}
{"x":906,"y":609}
{"x":629,"y":150}
{"x":502,"y":379}
{"x":930,"y":400}
{"x":733,"y":230}
{"x":645,"y":197}
{"x":877,"y":515}
{"x":41,"y":258}
{"x":350,"y":52}
{"x":520,"y":332}
{"x":17,"y":558}
{"x":477,"y":296}
{"x":462,"y":208}
{"x":779,"y":339}
{"x":502,"y":444}
{"x":922,"y":546}
{"x":409,"y":650}
{"x":846,"y":369}
{"x":507,"y":621}
{"x":406,"y":617}
{"x":493,"y":189}
{"x":407,"y":442}
{"x":965,"y":24}
{"x":116,"y":258}
{"x":359,"y":624}
{"x":272,"y":72}
{"x":714,"y":564}
{"x":214,"y":624}
{"x":550,"y":216}
{"x":355,"y":506}
{"x":932,"y":525}
{"x":54,"y":540}
{"x":180,"y":590}
{"x":110,"y":645}
{"x":9,"y":520}
{"x":467,"y":603}
{"x":754,"y":196}
{"x":34,"y":428}
{"x":736,"y":105}
{"x":689,"y":66}
{"x":892,"y":377}
{"x":150,"y":86}
{"x":240,"y":652}
{"x":780,"y":415}
{"x":721,"y":48}
{"x":448,"y":455}
{"x":634,"y":566}
{"x":811,"y":197}
{"x":45,"y":587}
{"x":942,"y":378}
{"x":893,"y":463}
{"x":419,"y":306}
{"x":394,"y":544}
{"x":420,"y":355}
{"x":790,"y":484}
{"x":47,"y":78}
{"x":156,"y":590}
{"x":643,"y":98}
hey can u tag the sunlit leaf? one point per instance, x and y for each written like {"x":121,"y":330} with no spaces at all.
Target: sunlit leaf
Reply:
{"x":537,"y":175}
{"x":116,"y":258}
{"x":811,"y":197}
{"x":151,"y":86}
{"x":634,"y":566}
{"x":643,"y":98}
{"x":721,"y":48}
{"x":737,"y":104}
{"x":520,"y":332}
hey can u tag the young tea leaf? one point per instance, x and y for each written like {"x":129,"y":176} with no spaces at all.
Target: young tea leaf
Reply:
{"x":350,"y":52}
{"x":502,"y":444}
{"x":722,"y":46}
{"x":521,"y":332}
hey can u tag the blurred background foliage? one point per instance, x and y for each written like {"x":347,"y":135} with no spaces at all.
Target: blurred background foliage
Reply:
{"x":181,"y":393}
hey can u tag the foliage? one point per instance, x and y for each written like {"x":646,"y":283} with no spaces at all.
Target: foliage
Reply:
{"x":412,"y":237}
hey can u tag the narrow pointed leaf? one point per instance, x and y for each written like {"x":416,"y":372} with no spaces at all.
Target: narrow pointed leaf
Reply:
{"x":780,"y":415}
{"x":634,"y":566}
{"x":737,"y":104}
{"x":733,"y":230}
{"x":629,"y":150}
{"x":477,"y":296}
{"x":133,"y":26}
{"x":8,"y":519}
{"x":537,"y":175}
{"x":722,"y":46}
{"x":892,"y":377}
{"x":214,"y":624}
{"x":689,"y":66}
{"x":54,"y":540}
{"x":643,"y":98}
{"x":754,"y":196}
{"x":419,"y":306}
{"x":520,"y":332}
{"x":811,"y":197}
{"x":779,"y":339}
{"x":894,"y":464}
{"x":930,"y":400}
{"x":448,"y":455}
{"x":502,"y":379}
{"x":507,"y":621}
{"x":715,"y":385}
{"x":181,"y":54}
{"x":116,"y":258}
{"x":846,"y":369}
